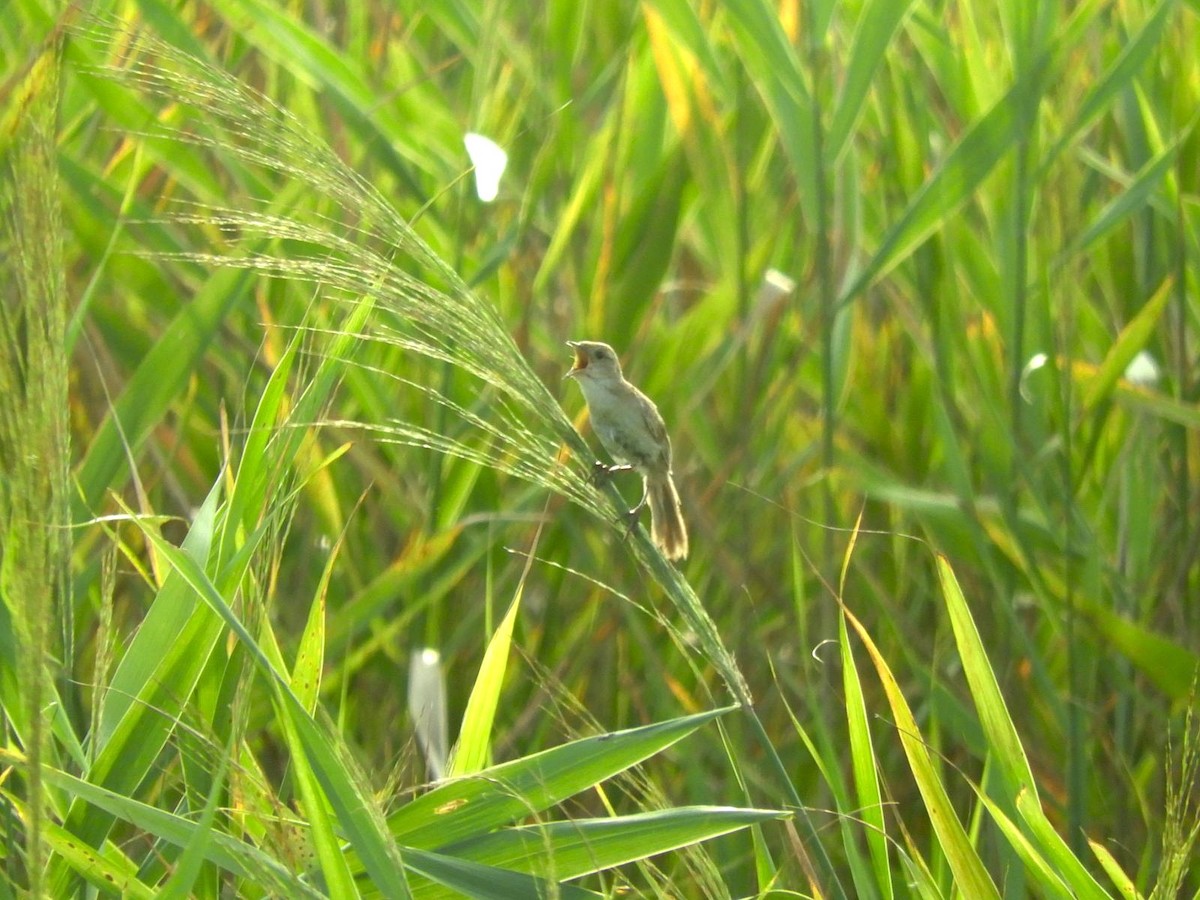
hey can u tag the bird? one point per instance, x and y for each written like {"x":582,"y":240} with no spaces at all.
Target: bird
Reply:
{"x":633,"y":433}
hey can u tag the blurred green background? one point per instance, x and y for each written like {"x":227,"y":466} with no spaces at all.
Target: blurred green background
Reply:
{"x":904,"y":278}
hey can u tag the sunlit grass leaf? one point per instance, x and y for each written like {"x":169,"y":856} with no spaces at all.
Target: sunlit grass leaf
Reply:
{"x":31,"y":82}
{"x":1062,"y":860}
{"x":578,"y":847}
{"x":1132,"y":198}
{"x":505,"y":793}
{"x":1003,"y":741}
{"x":171,"y":610}
{"x":683,"y":21}
{"x":1035,"y":863}
{"x":310,"y":657}
{"x":470,"y":753}
{"x":972,"y":158}
{"x":1131,"y":341}
{"x":155,"y":385}
{"x":878,"y":22}
{"x":1117,"y":78}
{"x":355,"y":811}
{"x":150,"y":687}
{"x":1005,"y":745}
{"x":471,"y":879}
{"x":106,"y":869}
{"x":866,"y":777}
{"x":1125,"y":886}
{"x":259,"y":463}
{"x":969,"y":873}
{"x":240,"y":858}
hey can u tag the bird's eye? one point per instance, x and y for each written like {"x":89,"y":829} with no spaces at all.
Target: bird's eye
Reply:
{"x":600,"y":354}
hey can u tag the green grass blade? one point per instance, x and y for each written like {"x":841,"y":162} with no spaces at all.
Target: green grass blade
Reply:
{"x":148,"y":691}
{"x":471,"y":879}
{"x":1116,"y":79}
{"x":776,"y":71}
{"x":242,"y":859}
{"x":1168,"y":665}
{"x":173,"y":27}
{"x":470,"y":754}
{"x":172,"y":609}
{"x":683,"y":21}
{"x":1125,"y":886}
{"x":1060,"y":856}
{"x":757,"y":26}
{"x":155,"y":385}
{"x":288,"y":39}
{"x":1162,"y":406}
{"x":355,"y":810}
{"x":1133,"y":338}
{"x":106,"y":869}
{"x":866,"y":777}
{"x":560,"y":850}
{"x":878,"y":22}
{"x":260,"y":464}
{"x":971,"y":878}
{"x":187,"y":868}
{"x":85,"y":54}
{"x":1132,"y":198}
{"x":335,"y":867}
{"x":310,"y":657}
{"x":1004,"y":743}
{"x":1043,"y":873}
{"x":997,"y":724}
{"x":971,"y":159}
{"x":500,"y":795}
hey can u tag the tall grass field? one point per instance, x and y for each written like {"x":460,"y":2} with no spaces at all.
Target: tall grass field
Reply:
{"x":308,"y":587}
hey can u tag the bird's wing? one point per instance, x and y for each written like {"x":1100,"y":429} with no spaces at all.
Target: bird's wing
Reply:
{"x":653,"y":421}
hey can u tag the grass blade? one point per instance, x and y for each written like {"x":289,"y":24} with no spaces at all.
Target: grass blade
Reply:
{"x":970,"y":875}
{"x":1003,"y":742}
{"x":878,"y":23}
{"x":472,"y":806}
{"x":1133,"y":338}
{"x":561,"y":850}
{"x":971,"y":159}
{"x":470,"y":754}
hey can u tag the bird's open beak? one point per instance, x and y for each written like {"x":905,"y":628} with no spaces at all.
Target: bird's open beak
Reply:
{"x":581,"y":360}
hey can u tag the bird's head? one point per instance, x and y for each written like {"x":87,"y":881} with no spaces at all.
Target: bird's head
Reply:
{"x":594,"y":361}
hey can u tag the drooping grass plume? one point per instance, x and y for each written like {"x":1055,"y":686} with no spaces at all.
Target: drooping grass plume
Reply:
{"x":35,"y":545}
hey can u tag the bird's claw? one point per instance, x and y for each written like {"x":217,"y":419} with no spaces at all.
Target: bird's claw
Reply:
{"x":601,"y":473}
{"x":630,"y":519}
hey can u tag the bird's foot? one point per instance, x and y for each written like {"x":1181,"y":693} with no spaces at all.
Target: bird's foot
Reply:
{"x":602,"y":473}
{"x":631,"y":515}
{"x":630,"y":518}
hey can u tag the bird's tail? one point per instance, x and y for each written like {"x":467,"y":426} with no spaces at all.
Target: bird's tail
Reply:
{"x":666,"y":518}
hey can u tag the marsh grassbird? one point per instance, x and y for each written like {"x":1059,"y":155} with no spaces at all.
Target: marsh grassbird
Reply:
{"x":632,"y":432}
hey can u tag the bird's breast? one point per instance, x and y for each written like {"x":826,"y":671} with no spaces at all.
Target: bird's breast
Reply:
{"x":622,"y":420}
